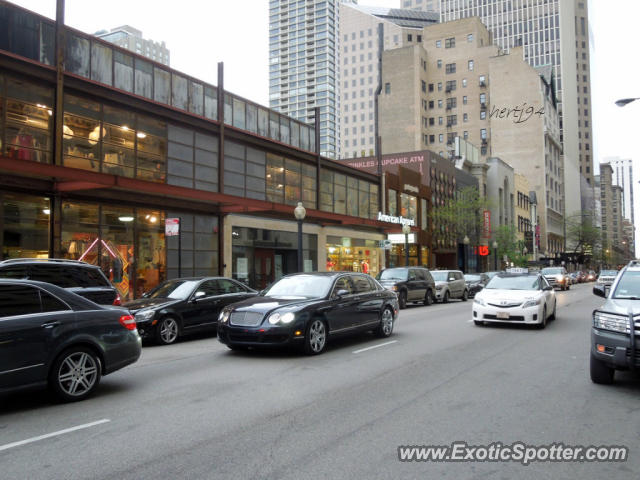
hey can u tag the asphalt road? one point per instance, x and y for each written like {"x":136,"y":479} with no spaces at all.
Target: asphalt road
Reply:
{"x":197,"y":410}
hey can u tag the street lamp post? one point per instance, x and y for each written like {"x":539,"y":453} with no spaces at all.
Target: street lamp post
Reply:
{"x":299,"y":212}
{"x":495,"y":254}
{"x":406,"y":229}
{"x":466,"y":240}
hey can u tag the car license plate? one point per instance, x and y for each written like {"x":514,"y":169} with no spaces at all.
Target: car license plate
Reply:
{"x":502,"y":315}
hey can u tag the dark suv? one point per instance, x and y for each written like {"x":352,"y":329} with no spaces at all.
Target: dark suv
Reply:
{"x":615,"y":334}
{"x":412,"y":284}
{"x":81,"y":278}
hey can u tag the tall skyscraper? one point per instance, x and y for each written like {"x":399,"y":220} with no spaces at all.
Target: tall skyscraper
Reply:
{"x":131,"y":39}
{"x":304,"y":64}
{"x":423,"y":5}
{"x":623,"y":177}
{"x":551,"y":32}
{"x":359,"y":45}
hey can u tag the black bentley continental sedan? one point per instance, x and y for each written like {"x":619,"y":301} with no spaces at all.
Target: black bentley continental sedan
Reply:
{"x":308,"y":309}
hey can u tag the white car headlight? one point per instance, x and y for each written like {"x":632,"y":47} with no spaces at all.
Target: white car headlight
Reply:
{"x":144,"y":316}
{"x":608,"y":321}
{"x":480,"y":301}
{"x":284,"y":318}
{"x":531,"y":303}
{"x":224,"y":316}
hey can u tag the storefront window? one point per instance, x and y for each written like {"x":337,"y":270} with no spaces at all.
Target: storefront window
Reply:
{"x":346,"y":254}
{"x":263,"y":256}
{"x":340,"y":193}
{"x":408,"y":206}
{"x":128,"y":244}
{"x":27,"y":121}
{"x":326,"y":191}
{"x":151,"y":267}
{"x":352,"y":196}
{"x":292,"y":179}
{"x":393,"y":202}
{"x":24,"y":228}
{"x":363,"y":199}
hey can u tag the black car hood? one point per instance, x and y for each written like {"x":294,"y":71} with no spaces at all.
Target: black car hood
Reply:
{"x":265,"y":304}
{"x":141,"y":303}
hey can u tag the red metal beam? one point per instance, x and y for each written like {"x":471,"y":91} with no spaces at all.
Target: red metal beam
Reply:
{"x":73,"y":186}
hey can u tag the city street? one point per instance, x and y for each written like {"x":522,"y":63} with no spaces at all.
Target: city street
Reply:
{"x":198,"y":410}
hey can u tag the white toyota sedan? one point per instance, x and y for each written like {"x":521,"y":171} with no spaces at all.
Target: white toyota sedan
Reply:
{"x":518,"y":298}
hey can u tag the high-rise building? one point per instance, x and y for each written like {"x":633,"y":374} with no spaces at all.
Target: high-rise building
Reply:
{"x":611,"y":215}
{"x":551,"y":32}
{"x":457,"y":85}
{"x":304,"y":65}
{"x":424,"y":5}
{"x":359,"y":45}
{"x":623,"y":176}
{"x":131,"y":39}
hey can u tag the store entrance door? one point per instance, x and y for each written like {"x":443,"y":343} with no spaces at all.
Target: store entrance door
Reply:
{"x":264,"y":262}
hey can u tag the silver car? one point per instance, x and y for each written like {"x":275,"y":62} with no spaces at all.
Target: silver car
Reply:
{"x":606,"y":277}
{"x":450,"y":284}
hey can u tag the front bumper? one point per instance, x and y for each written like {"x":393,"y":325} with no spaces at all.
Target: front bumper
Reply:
{"x":617,"y":349}
{"x":262,"y":335}
{"x":490,"y":313}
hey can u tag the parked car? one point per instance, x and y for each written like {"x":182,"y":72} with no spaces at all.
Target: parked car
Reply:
{"x":50,"y":336}
{"x":616,"y":326}
{"x":573,"y":277}
{"x":185,"y":305}
{"x":522,"y":298}
{"x":81,"y":278}
{"x":582,"y":276}
{"x":475,"y":282}
{"x":307,"y":309}
{"x":411,"y":284}
{"x":607,"y":277}
{"x":450,"y":284}
{"x":557,"y":277}
{"x":591,"y":276}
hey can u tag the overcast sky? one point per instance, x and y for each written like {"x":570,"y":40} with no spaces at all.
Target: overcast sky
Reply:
{"x":201,"y":33}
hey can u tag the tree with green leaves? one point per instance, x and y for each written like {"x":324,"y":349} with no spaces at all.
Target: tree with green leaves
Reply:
{"x":583,"y":237}
{"x":462,"y":214}
{"x":510,"y":246}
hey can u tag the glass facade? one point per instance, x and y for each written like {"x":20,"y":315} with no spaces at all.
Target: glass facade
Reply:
{"x":26,"y":120}
{"x":261,"y":257}
{"x":290,"y":181}
{"x":348,"y":195}
{"x":106,"y":139}
{"x":24,"y":226}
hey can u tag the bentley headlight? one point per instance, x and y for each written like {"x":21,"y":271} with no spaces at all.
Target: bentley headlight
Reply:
{"x":144,"y":316}
{"x":608,"y":321}
{"x":559,"y":278}
{"x":284,"y":318}
{"x":224,"y":316}
{"x":531,"y":303}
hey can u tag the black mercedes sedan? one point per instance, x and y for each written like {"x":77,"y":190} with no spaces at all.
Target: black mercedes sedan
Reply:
{"x":52,"y":337}
{"x":475,"y":282}
{"x":306,"y":309}
{"x":185,"y":305}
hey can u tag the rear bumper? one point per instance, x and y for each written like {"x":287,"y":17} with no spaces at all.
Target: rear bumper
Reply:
{"x":123,"y":354}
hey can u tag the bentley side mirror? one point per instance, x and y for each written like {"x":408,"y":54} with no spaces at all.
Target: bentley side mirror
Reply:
{"x":198,"y":295}
{"x":342,"y":293}
{"x":548,"y":288}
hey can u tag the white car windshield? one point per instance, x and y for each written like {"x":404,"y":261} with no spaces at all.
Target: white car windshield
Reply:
{"x":628,"y":287}
{"x":524,"y":282}
{"x":306,"y":286}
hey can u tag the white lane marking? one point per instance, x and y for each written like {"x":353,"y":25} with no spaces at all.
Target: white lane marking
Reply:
{"x":53,"y":434}
{"x":375,"y":346}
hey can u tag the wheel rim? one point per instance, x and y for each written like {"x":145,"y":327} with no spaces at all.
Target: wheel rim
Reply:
{"x":169,"y":330}
{"x":403,"y":298}
{"x":77,"y":374}
{"x":317,"y":336}
{"x":429,"y":298}
{"x":387,"y":322}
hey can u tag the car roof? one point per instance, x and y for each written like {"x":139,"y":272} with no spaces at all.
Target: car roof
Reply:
{"x":76,"y":301}
{"x":44,"y":261}
{"x":511,"y":275}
